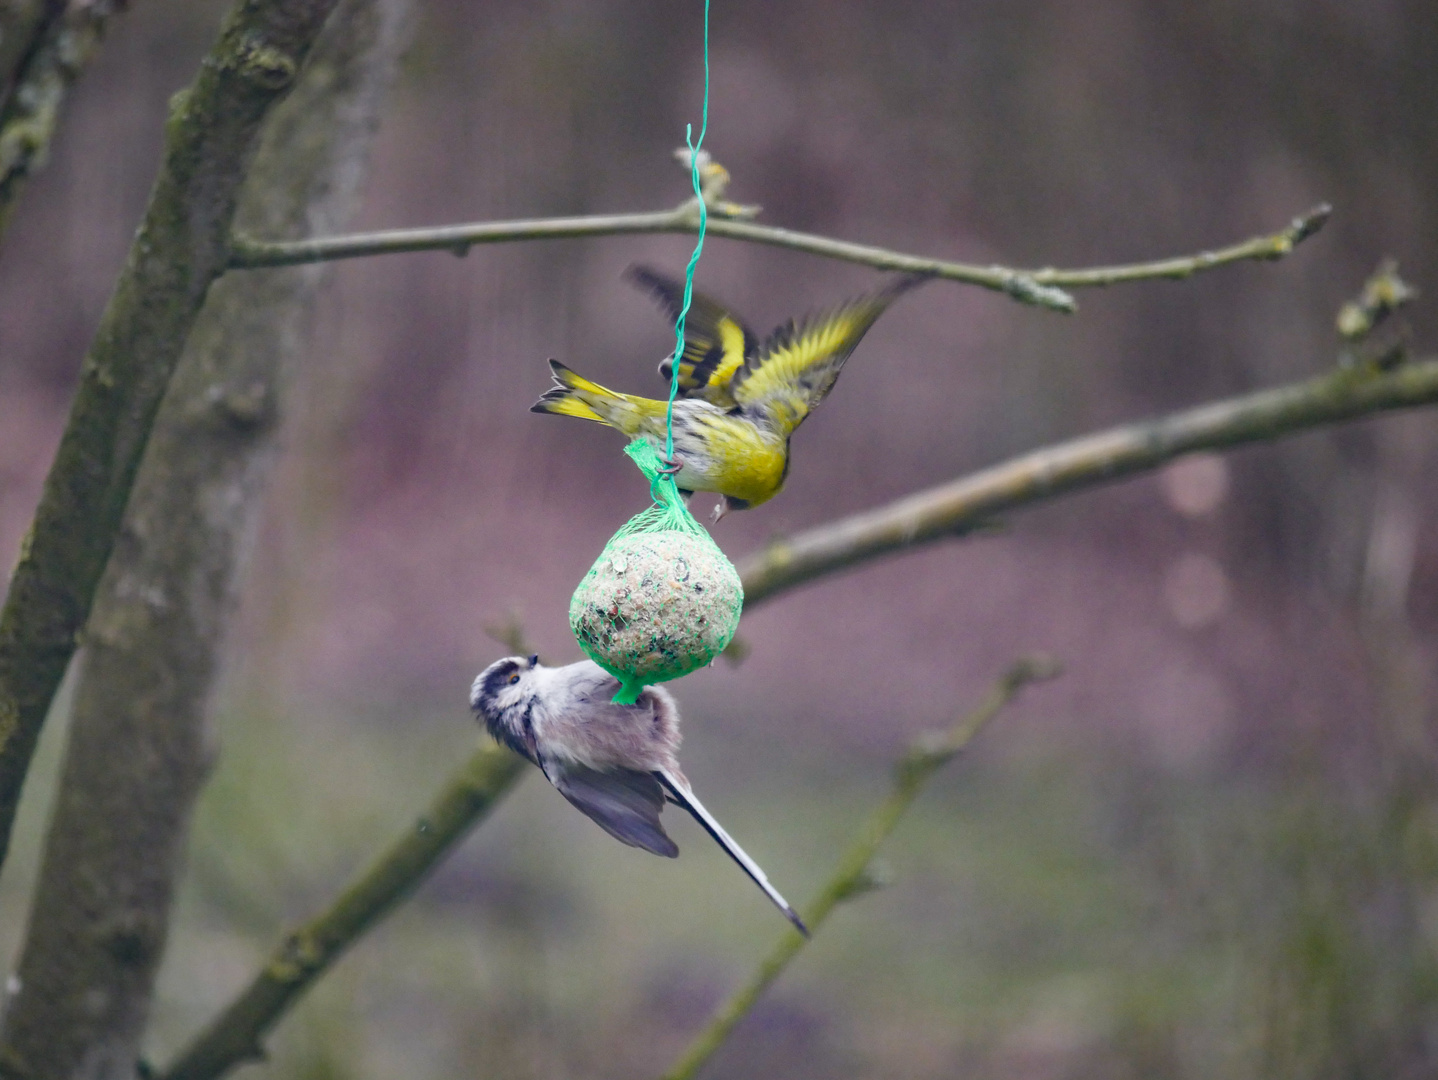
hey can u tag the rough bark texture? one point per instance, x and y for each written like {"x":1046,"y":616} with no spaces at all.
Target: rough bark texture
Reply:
{"x":22,"y":26}
{"x":37,"y":74}
{"x":181,"y":247}
{"x":136,"y":754}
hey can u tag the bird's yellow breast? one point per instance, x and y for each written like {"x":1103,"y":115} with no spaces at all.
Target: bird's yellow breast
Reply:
{"x":730,"y":455}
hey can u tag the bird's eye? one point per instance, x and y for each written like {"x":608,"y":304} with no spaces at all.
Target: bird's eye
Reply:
{"x":513,"y":679}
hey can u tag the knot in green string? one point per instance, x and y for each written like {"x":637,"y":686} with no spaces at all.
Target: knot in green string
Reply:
{"x":669,"y":510}
{"x":661,"y":600}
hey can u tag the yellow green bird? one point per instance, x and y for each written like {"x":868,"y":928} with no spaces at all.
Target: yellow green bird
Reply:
{"x":739,"y":400}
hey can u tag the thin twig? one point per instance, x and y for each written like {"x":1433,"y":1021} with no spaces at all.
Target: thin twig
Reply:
{"x":458,"y":239}
{"x":853,"y":876}
{"x":971,"y":501}
{"x":1263,"y":248}
{"x":1044,"y":288}
{"x":236,"y":1034}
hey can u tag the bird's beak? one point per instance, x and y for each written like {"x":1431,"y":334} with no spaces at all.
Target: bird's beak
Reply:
{"x":720,"y":509}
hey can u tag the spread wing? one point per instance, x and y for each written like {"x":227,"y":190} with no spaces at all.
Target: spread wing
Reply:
{"x":624,"y":803}
{"x":716,"y":343}
{"x":797,"y":366}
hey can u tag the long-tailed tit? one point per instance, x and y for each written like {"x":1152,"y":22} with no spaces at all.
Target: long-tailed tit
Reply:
{"x":616,"y":763}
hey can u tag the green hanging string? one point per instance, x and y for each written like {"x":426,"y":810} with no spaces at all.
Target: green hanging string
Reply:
{"x":694,"y":148}
{"x":662,"y":599}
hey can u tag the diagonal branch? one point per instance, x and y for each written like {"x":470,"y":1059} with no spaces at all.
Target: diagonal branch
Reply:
{"x":1043,"y":288}
{"x":181,"y":247}
{"x":853,"y":877}
{"x":23,"y":24}
{"x":944,"y":511}
{"x":236,"y":1034}
{"x":136,"y":753}
{"x":967,"y":503}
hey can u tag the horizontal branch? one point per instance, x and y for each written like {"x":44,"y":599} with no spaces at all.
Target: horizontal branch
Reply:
{"x":307,"y":953}
{"x":1044,"y":288}
{"x":853,"y":877}
{"x":458,"y":239}
{"x":967,"y":503}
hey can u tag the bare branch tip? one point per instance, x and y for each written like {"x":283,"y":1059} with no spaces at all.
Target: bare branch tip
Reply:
{"x":509,"y":632}
{"x":1305,"y":225}
{"x":737,"y":651}
{"x":1040,"y":667}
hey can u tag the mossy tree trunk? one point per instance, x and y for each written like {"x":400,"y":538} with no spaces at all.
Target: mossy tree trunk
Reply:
{"x":182,"y":246}
{"x":136,"y":755}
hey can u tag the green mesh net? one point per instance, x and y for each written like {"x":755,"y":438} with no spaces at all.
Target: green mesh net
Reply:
{"x":662,"y":599}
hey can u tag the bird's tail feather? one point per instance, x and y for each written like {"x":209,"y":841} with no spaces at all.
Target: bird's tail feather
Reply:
{"x":681,"y":795}
{"x":574,"y":395}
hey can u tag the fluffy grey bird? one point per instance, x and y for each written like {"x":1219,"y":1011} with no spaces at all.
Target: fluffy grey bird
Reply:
{"x":616,"y":763}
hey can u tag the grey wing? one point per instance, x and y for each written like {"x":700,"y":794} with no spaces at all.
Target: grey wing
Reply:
{"x":624,"y":803}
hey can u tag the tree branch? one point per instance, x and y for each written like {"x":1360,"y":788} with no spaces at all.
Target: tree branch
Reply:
{"x":236,"y":1035}
{"x":944,"y":511}
{"x":62,"y":49}
{"x":968,"y":502}
{"x":22,"y":27}
{"x":181,"y":247}
{"x":1044,"y":288}
{"x":853,"y":876}
{"x":1263,"y":248}
{"x":136,"y":753}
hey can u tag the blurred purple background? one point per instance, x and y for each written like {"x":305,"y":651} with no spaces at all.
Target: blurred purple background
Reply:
{"x":1216,"y":620}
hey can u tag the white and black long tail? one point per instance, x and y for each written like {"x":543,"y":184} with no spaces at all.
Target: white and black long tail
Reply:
{"x":681,"y":796}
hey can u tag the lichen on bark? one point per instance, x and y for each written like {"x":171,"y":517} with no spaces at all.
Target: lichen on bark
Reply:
{"x":137,"y":749}
{"x":181,"y":247}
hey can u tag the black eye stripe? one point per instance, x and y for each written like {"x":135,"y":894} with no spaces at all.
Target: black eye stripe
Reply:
{"x":499,"y":678}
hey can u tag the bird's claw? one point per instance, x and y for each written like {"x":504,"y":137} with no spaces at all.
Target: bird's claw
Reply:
{"x":670,"y":467}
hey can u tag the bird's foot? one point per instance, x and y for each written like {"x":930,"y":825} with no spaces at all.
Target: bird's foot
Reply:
{"x":670,"y":467}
